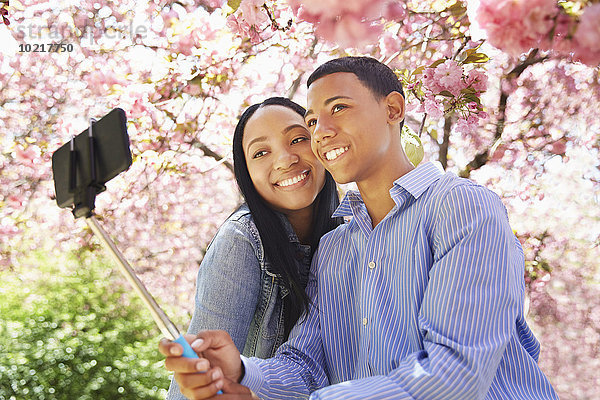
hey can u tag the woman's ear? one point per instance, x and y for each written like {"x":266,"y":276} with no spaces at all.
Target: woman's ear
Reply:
{"x":395,"y":107}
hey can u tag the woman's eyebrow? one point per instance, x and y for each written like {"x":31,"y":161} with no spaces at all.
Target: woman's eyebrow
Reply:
{"x":256,"y":139}
{"x":292,"y":127}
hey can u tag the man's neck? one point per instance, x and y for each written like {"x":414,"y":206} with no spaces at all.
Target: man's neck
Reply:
{"x":375,"y":191}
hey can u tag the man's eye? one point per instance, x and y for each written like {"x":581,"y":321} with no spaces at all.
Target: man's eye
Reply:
{"x":299,"y":139}
{"x":338,"y":107}
{"x":311,"y":122}
{"x":259,"y":154}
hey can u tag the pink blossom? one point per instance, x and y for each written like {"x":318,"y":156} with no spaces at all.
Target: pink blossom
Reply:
{"x":588,"y":31}
{"x":25,"y":156}
{"x":559,"y":147}
{"x":14,"y":201}
{"x":515,"y":26}
{"x":334,"y":8}
{"x":395,"y":11}
{"x":347,"y":23}
{"x":184,"y":45}
{"x":252,"y":12}
{"x":389,"y":43}
{"x":430,"y":81}
{"x":254,"y":35}
{"x":216,"y":3}
{"x":560,"y":42}
{"x":237,"y":25}
{"x":449,"y":76}
{"x":477,"y":79}
{"x":467,"y":126}
{"x":433,"y":108}
{"x":348,"y":30}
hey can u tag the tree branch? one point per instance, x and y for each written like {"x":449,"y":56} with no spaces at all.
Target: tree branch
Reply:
{"x":443,"y":151}
{"x":483,"y":157}
{"x":209,"y":153}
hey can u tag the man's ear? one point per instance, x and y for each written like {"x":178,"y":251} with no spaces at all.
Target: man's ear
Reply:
{"x":395,"y":107}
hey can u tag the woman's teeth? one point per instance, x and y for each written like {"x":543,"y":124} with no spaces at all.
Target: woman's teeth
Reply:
{"x":333,"y":154}
{"x":293,"y":180}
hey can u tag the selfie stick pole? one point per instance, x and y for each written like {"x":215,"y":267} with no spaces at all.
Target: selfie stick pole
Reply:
{"x":164,"y":323}
{"x":166,"y":326}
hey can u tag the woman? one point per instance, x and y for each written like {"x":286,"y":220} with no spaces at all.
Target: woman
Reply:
{"x":251,"y":281}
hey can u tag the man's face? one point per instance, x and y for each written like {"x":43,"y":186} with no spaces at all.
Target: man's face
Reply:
{"x":350,"y":134}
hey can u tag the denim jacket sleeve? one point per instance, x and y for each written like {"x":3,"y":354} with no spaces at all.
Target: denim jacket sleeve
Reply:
{"x":228,"y":285}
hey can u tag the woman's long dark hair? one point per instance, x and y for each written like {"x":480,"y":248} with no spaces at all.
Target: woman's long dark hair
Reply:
{"x":278,"y":250}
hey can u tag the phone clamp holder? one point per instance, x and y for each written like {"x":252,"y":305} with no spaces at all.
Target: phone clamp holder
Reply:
{"x":84,"y":198}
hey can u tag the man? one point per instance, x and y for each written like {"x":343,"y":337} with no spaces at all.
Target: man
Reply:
{"x":420,"y":295}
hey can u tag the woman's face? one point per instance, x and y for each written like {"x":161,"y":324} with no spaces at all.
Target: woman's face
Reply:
{"x":281,"y":164}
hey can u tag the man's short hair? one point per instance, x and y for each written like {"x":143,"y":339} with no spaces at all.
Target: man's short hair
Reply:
{"x":376,"y":76}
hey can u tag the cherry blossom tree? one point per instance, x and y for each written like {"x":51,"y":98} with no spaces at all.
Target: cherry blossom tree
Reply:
{"x":503,"y":92}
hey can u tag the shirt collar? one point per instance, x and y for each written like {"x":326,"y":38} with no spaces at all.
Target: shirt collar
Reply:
{"x":415,"y":182}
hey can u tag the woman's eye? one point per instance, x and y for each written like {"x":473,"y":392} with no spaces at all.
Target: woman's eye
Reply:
{"x":299,"y":139}
{"x":259,"y":154}
{"x":311,"y":122}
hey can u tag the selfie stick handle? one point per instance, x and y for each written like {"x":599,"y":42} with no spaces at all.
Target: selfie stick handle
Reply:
{"x":164,"y":323}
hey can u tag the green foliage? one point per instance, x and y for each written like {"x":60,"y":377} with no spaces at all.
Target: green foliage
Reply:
{"x":69,"y":330}
{"x":412,"y":145}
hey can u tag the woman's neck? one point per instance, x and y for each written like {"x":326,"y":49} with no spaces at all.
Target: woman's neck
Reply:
{"x":301,"y":221}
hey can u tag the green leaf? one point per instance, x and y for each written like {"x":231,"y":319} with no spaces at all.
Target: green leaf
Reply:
{"x":474,"y":98}
{"x":476,"y":58}
{"x":436,"y":63}
{"x":457,"y":9}
{"x":446,"y":93}
{"x":419,"y":70}
{"x":234,"y":4}
{"x":434,"y":134}
{"x":412,"y":145}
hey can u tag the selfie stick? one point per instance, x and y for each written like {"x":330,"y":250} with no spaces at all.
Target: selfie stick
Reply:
{"x":86,"y":208}
{"x":164,"y":323}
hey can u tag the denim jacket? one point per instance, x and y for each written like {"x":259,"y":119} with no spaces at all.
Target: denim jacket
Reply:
{"x":236,"y":292}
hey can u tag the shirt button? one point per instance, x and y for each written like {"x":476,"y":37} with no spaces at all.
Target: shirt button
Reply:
{"x":371,"y":264}
{"x":364,"y":321}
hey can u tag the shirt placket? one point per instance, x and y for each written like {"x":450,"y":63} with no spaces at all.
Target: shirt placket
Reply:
{"x":370,"y":274}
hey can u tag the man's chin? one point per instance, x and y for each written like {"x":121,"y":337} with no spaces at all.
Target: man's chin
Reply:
{"x":341,"y":178}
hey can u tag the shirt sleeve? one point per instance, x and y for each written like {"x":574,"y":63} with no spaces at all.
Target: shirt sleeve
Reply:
{"x":227,"y":288}
{"x":469,"y":309}
{"x":298,"y":367}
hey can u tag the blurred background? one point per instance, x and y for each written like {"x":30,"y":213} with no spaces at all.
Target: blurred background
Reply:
{"x":505,"y":93}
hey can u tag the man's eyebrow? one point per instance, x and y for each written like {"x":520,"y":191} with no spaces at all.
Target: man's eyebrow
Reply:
{"x":329,"y":100}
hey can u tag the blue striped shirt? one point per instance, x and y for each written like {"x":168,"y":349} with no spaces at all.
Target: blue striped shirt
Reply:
{"x":426,"y":305}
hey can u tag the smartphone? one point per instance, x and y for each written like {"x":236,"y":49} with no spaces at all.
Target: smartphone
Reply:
{"x":72,"y":166}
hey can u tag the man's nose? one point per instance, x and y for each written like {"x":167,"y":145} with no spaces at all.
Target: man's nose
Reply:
{"x":323,"y":130}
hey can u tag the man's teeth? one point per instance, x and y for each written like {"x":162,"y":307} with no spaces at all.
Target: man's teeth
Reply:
{"x":293,"y":180}
{"x":333,"y":154}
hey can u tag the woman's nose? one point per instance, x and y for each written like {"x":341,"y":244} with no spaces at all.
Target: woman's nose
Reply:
{"x":285,"y":159}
